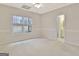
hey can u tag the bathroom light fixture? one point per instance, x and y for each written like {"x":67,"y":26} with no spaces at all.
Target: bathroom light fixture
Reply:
{"x":37,"y":5}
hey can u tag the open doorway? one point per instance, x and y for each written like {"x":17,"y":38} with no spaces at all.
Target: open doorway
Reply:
{"x":60,"y":28}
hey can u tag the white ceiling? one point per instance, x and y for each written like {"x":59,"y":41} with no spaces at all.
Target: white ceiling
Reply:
{"x":46,"y":7}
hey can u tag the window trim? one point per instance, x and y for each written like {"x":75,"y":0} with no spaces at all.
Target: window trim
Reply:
{"x":22,"y":25}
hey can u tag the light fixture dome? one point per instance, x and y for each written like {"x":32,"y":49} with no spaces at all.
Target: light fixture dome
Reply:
{"x":37,"y":5}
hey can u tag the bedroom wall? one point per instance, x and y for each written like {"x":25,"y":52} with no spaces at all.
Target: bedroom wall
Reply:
{"x":49,"y":26}
{"x":6,"y":34}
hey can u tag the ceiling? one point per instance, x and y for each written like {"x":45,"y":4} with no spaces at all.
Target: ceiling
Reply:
{"x":46,"y":7}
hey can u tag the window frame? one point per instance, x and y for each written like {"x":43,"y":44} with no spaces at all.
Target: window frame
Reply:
{"x":22,"y":24}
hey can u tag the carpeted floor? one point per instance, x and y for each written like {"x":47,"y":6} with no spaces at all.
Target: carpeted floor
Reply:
{"x":42,"y":47}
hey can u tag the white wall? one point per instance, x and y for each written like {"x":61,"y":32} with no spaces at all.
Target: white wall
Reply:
{"x":48,"y":22}
{"x":49,"y":25}
{"x":6,"y":34}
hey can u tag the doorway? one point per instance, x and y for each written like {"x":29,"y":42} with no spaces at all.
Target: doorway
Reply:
{"x":60,"y":28}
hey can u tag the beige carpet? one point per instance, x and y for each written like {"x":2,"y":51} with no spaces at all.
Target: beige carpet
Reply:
{"x":42,"y":47}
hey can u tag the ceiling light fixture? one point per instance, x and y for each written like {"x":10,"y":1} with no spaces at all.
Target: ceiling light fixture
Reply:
{"x":37,"y":5}
{"x":26,"y":7}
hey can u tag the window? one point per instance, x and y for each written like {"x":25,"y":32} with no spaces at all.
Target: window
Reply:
{"x":22,"y":24}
